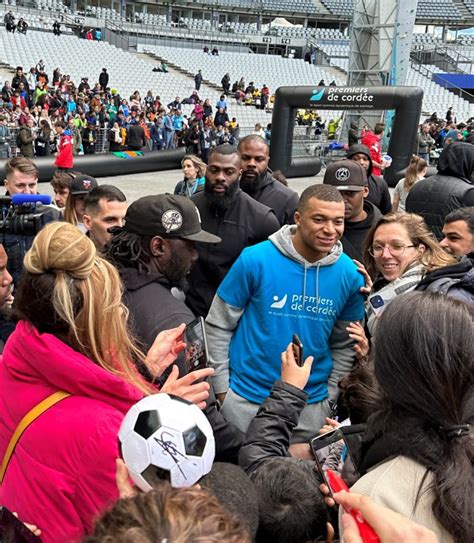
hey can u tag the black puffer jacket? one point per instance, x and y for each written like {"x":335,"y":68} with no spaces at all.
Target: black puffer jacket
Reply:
{"x":379,"y":195}
{"x":269,"y":433}
{"x":451,"y":188}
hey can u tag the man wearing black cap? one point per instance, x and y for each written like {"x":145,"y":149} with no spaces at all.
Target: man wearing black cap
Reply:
{"x":154,"y":252}
{"x":379,"y":194}
{"x":232,"y":215}
{"x":350,"y":179}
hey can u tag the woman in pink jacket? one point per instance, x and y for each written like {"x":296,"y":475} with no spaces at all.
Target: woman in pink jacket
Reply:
{"x":72,"y":337}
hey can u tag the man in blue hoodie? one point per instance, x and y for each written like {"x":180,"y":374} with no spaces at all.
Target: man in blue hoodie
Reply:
{"x":298,"y":282}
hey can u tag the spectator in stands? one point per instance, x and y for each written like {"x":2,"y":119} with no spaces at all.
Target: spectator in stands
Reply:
{"x":74,"y":209}
{"x":372,"y":140}
{"x":194,"y":170}
{"x":57,"y":28}
{"x":424,"y":142}
{"x":136,"y":139}
{"x":26,"y":139}
{"x":379,"y":193}
{"x":168,"y":130}
{"x":215,"y":51}
{"x":104,"y":79}
{"x":231,"y":214}
{"x":115,"y":138}
{"x":105,"y":208}
{"x":417,"y":449}
{"x":170,"y":514}
{"x":433,"y":198}
{"x":458,"y":232}
{"x":198,"y":80}
{"x":4,"y":138}
{"x":43,"y":139}
{"x":64,"y":156}
{"x":415,"y":172}
{"x":221,"y":117}
{"x":321,"y":83}
{"x":56,"y":346}
{"x":333,"y":126}
{"x":9,"y":20}
{"x":257,"y":180}
{"x":7,"y":92}
{"x":360,"y":215}
{"x":208,"y":141}
{"x":450,"y":116}
{"x":22,"y":26}
{"x":89,"y":139}
{"x":264,"y":96}
{"x":353,"y":135}
{"x":18,"y":78}
{"x":175,"y":104}
{"x":61,"y":183}
{"x":300,"y":275}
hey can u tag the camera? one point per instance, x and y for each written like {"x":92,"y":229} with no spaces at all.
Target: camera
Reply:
{"x":22,"y":216}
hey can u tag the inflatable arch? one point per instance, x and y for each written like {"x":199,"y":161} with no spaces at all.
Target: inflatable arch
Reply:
{"x":406,"y":101}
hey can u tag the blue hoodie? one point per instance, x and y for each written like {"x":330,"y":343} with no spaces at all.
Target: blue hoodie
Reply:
{"x":280,"y":294}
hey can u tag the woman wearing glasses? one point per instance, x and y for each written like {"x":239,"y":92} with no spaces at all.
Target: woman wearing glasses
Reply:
{"x":399,"y":253}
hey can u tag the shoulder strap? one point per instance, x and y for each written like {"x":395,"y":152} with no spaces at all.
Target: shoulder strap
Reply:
{"x":30,"y":417}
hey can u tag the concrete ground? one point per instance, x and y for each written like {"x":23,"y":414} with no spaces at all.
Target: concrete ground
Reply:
{"x":142,"y":184}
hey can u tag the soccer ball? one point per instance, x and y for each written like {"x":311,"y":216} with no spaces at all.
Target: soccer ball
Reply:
{"x":164,"y":437}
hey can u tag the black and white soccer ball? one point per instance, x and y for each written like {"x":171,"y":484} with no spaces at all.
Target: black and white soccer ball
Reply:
{"x":164,"y":437}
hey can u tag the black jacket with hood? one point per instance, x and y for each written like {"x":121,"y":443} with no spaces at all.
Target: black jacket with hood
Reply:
{"x":451,"y":188}
{"x":275,"y":195}
{"x":379,"y":194}
{"x":356,"y":232}
{"x":153,"y":309}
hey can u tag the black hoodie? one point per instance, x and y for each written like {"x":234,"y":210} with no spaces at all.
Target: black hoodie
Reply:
{"x":356,"y":232}
{"x":451,"y":188}
{"x":379,"y":194}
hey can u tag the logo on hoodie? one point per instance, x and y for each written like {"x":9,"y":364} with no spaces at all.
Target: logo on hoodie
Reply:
{"x":317,"y":95}
{"x":279,"y":304}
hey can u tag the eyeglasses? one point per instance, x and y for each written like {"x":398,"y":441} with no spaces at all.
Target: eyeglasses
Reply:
{"x":394,"y":250}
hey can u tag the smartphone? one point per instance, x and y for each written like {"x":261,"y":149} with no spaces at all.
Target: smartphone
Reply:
{"x":320,"y":447}
{"x":298,"y":350}
{"x":196,"y":353}
{"x":13,"y":530}
{"x":366,"y":532}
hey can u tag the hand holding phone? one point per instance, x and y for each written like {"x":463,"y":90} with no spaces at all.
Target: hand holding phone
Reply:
{"x":298,"y":350}
{"x":293,"y":373}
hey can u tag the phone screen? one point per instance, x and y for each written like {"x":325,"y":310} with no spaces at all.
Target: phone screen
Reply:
{"x":196,"y":345}
{"x":320,"y":447}
{"x":13,"y":530}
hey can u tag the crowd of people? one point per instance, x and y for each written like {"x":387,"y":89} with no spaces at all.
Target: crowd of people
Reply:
{"x":380,"y":295}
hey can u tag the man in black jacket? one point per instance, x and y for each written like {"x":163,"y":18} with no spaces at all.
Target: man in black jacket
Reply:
{"x":154,"y":252}
{"x":103,"y":79}
{"x":257,"y":180}
{"x":232,"y":215}
{"x":379,"y":194}
{"x":136,"y":139}
{"x":360,"y":215}
{"x":451,"y":188}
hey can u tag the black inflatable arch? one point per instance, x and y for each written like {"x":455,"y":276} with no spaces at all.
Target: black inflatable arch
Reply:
{"x":406,"y":101}
{"x":105,"y":165}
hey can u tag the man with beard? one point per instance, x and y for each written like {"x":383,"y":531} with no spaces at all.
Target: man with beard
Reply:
{"x":257,"y":180}
{"x":229,"y":213}
{"x":154,"y":252}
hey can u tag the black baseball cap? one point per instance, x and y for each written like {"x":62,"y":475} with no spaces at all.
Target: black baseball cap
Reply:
{"x":169,"y":216}
{"x":82,"y":184}
{"x":346,"y":175}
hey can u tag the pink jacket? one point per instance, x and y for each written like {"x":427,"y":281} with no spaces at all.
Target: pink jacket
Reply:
{"x":372,"y":141}
{"x":62,"y":473}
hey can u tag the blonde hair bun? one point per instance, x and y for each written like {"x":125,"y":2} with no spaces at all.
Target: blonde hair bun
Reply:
{"x":61,"y":247}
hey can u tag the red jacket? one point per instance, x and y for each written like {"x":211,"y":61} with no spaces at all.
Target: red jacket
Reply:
{"x":64,"y":158}
{"x":370,"y":140}
{"x":62,"y":473}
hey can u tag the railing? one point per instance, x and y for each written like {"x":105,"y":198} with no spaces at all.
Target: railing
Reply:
{"x":424,"y":70}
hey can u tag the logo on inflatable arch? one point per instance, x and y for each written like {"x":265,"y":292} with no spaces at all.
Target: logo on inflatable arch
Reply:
{"x":317,"y":95}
